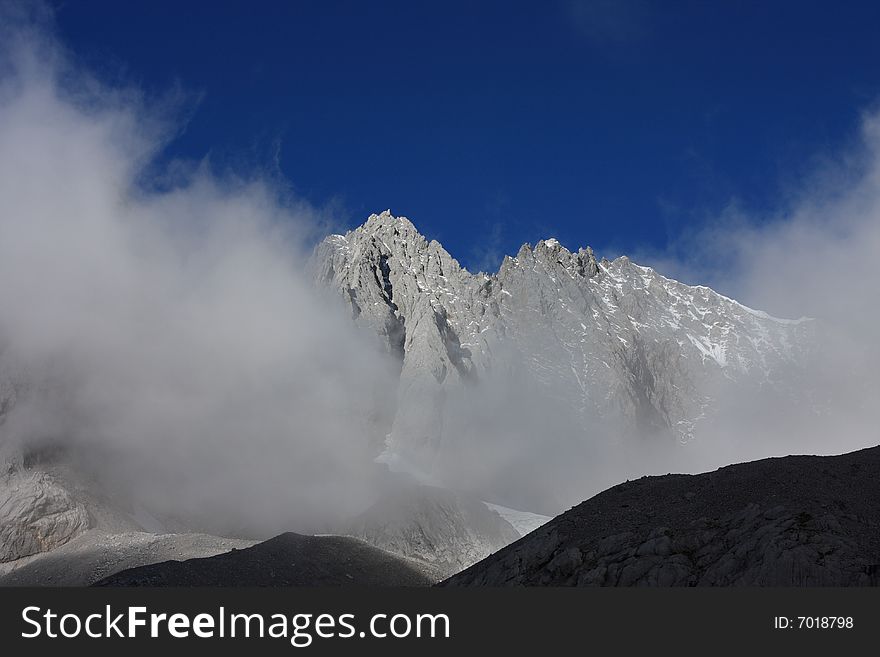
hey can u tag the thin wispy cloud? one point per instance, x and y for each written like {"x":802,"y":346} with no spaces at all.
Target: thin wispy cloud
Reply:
{"x":611,"y":23}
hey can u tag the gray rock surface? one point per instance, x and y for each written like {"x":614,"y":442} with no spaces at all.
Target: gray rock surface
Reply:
{"x":36,"y":514}
{"x":611,"y":341}
{"x":97,"y":554}
{"x":47,"y":501}
{"x":445,"y":529}
{"x":792,"y":521}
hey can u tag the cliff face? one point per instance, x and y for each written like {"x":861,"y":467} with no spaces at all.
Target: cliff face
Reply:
{"x":610,"y":342}
{"x":36,"y":515}
{"x":793,"y":521}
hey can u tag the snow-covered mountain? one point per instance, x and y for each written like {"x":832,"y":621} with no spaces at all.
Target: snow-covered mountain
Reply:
{"x":519,"y":393}
{"x":613,"y":343}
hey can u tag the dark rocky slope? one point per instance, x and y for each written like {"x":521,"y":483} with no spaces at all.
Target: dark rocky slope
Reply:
{"x":793,"y":521}
{"x":286,"y":560}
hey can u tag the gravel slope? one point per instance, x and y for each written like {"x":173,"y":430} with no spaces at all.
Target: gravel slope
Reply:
{"x":793,"y":521}
{"x":97,"y":554}
{"x":286,"y":560}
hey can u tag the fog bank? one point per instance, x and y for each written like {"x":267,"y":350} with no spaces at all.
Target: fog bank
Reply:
{"x":156,"y":318}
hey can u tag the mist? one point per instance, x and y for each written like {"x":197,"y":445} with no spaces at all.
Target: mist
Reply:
{"x":156,"y":321}
{"x":815,"y":258}
{"x":158,"y":324}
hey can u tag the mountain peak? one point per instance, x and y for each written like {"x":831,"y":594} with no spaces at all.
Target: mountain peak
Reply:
{"x":386,"y":220}
{"x":553,"y":253}
{"x":554,"y":315}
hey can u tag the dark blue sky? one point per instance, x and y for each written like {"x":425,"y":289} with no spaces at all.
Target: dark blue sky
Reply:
{"x":618,"y":124}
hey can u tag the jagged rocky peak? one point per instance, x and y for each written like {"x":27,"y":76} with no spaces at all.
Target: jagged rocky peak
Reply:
{"x":551,"y":253}
{"x":607,"y":339}
{"x":386,"y":236}
{"x":391,"y":247}
{"x":551,"y":248}
{"x":393,"y":233}
{"x":385,"y":220}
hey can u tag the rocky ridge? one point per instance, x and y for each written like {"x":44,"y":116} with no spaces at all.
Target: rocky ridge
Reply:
{"x":612,"y":342}
{"x":792,"y":521}
{"x":286,"y":560}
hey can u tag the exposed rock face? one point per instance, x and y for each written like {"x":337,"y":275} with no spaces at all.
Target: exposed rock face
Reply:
{"x":36,"y":515}
{"x":607,"y":340}
{"x":793,"y":521}
{"x":447,"y":530}
{"x":96,"y":554}
{"x":392,"y":279}
{"x":286,"y":560}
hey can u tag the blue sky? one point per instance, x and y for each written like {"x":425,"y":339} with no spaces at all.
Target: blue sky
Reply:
{"x":622,"y":125}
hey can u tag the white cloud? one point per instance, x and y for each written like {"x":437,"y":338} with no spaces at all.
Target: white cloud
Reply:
{"x":170,"y":337}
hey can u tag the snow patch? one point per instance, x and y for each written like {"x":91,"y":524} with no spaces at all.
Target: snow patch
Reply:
{"x":524,"y":522}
